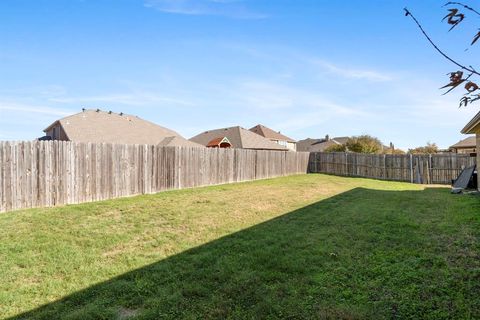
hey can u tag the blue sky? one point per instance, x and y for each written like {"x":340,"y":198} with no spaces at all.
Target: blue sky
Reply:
{"x":304,"y":67}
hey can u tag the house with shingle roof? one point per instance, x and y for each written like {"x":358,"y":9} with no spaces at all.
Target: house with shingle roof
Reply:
{"x":467,"y":145}
{"x":239,"y":138}
{"x":473,"y":127}
{"x":275,"y":136}
{"x":320,"y":145}
{"x":98,"y":126}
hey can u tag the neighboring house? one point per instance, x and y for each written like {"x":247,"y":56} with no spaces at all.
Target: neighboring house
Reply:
{"x":275,"y":136}
{"x":238,"y":137}
{"x":468,"y":145}
{"x":305,"y":144}
{"x":98,"y":126}
{"x":320,"y":145}
{"x":473,"y":127}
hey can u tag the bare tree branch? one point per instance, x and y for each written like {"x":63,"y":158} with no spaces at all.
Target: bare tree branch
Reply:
{"x":469,"y":69}
{"x":461,"y":4}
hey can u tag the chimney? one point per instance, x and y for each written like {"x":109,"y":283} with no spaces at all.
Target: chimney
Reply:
{"x":327,"y":138}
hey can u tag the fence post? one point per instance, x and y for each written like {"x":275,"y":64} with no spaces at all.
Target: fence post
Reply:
{"x":385,"y":166}
{"x":346,"y":164}
{"x":411,"y":168}
{"x":318,"y":162}
{"x":430,"y":166}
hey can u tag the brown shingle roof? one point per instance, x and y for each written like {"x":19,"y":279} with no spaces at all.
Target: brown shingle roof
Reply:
{"x":470,"y":142}
{"x":239,"y":138}
{"x":100,"y":126}
{"x":178,"y":141}
{"x":270,"y":134}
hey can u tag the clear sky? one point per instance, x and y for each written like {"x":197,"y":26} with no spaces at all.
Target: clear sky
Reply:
{"x":304,"y":67}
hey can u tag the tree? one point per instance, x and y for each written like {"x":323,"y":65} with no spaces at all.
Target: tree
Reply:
{"x":364,"y":144}
{"x":360,"y":144}
{"x":430,"y":148}
{"x":393,"y":151}
{"x":336,"y":148}
{"x":457,"y":12}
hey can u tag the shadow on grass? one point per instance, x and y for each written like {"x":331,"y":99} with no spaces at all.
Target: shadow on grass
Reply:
{"x":361,"y":254}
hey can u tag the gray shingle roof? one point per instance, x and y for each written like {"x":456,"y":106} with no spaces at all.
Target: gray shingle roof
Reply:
{"x":319,"y":145}
{"x":239,"y":138}
{"x":305,"y":144}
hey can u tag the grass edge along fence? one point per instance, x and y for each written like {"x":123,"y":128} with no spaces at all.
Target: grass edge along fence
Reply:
{"x":48,"y":173}
{"x":426,"y":169}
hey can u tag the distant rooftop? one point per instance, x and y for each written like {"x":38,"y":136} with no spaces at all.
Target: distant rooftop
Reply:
{"x":319,"y":145}
{"x":99,"y":126}
{"x":239,"y":138}
{"x":270,"y":134}
{"x":470,"y":142}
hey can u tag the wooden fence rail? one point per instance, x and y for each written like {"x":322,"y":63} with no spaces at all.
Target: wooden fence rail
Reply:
{"x":427,"y":169}
{"x":49,"y":173}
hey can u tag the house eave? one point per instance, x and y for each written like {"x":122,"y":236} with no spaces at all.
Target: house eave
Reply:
{"x":473,"y":126}
{"x":50,"y":126}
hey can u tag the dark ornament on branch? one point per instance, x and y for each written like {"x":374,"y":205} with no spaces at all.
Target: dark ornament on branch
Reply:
{"x":471,"y":87}
{"x":454,"y":18}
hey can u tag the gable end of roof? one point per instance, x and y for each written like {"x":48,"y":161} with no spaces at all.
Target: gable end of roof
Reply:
{"x":473,"y":126}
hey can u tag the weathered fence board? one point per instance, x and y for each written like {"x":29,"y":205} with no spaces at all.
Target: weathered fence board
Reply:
{"x":427,"y":169}
{"x":49,"y":173}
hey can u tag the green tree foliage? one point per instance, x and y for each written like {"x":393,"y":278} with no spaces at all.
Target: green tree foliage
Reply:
{"x":336,"y":148}
{"x":364,"y":144}
{"x":430,"y":148}
{"x":360,"y":144}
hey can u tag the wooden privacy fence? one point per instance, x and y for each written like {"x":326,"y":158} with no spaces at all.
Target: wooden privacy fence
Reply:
{"x":427,"y":169}
{"x":49,"y":173}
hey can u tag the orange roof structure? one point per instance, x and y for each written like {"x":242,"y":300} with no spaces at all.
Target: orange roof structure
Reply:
{"x":222,"y":142}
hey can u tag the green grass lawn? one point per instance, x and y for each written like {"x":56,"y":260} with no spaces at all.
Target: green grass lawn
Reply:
{"x":301,"y":247}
